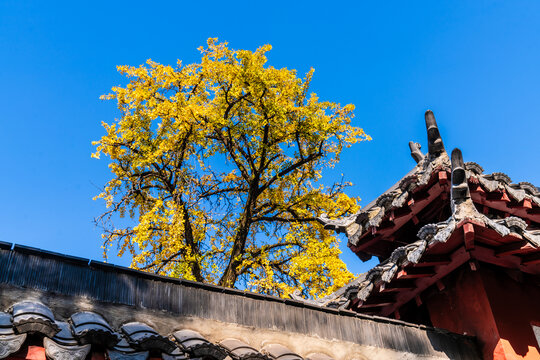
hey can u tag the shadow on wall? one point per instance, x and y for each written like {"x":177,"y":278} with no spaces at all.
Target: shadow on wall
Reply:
{"x":466,"y":350}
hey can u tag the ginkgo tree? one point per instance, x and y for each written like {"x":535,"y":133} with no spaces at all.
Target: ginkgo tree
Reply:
{"x":217,"y":173}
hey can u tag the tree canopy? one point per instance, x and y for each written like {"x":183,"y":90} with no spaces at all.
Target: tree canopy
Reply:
{"x":217,"y":173}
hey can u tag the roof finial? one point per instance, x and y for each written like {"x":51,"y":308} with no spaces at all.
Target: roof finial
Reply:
{"x":415,"y":151}
{"x":435,"y":143}
{"x":460,"y":188}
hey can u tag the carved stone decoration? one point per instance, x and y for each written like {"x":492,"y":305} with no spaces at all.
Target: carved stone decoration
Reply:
{"x":435,"y":143}
{"x":460,"y":188}
{"x":415,"y":151}
{"x":197,"y":346}
{"x":400,"y":200}
{"x":427,"y":232}
{"x":407,"y":182}
{"x":443,"y":234}
{"x":515,"y":223}
{"x":389,"y":273}
{"x":489,"y":185}
{"x":385,"y":200}
{"x":10,"y":344}
{"x":30,"y":316}
{"x":414,"y":253}
{"x":376,"y":215}
{"x":502,"y":177}
{"x":365,"y":290}
{"x":530,"y":188}
{"x":56,"y":351}
{"x":474,"y":167}
{"x":533,"y":237}
{"x":516,"y":193}
{"x":142,"y":336}
{"x":336,"y":224}
{"x":91,"y":328}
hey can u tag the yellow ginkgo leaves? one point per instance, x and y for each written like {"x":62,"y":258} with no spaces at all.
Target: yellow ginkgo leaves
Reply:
{"x":217,"y":172}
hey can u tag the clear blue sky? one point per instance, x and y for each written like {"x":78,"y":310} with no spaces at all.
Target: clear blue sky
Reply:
{"x":476,"y":64}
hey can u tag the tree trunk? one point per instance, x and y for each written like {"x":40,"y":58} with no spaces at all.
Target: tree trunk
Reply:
{"x":228,"y":279}
{"x":190,"y":242}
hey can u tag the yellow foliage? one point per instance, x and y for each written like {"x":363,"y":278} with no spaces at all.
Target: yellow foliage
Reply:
{"x":218,"y":166}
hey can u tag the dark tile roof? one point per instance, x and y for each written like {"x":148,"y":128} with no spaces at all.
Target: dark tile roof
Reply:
{"x":117,"y":294}
{"x":424,"y":173}
{"x":91,"y":328}
{"x":134,"y":341}
{"x":463,"y":211}
{"x":75,"y":338}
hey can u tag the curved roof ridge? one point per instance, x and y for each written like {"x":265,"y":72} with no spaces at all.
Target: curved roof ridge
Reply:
{"x":463,"y":209}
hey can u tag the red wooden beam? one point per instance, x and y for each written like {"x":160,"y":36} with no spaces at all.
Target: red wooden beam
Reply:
{"x":498,"y":196}
{"x":373,"y":305}
{"x":526,"y":203}
{"x":468,"y":234}
{"x":443,"y":177}
{"x":406,"y":210}
{"x":396,"y":286}
{"x":487,"y":255}
{"x":525,"y":213}
{"x":513,"y":248}
{"x":378,"y":298}
{"x":531,"y":259}
{"x":440,"y":285}
{"x":420,"y":195}
{"x":416,"y":272}
{"x":477,"y":189}
{"x":523,"y":204}
{"x":386,"y":224}
{"x":433,"y":260}
{"x":397,"y":218}
{"x":459,"y":257}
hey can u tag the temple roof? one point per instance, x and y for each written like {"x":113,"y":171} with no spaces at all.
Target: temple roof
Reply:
{"x":489,"y":219}
{"x":424,"y":187}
